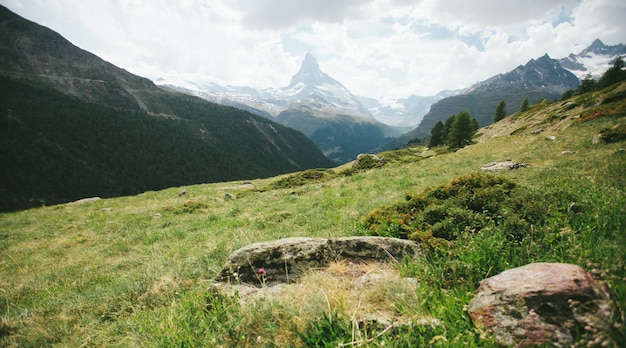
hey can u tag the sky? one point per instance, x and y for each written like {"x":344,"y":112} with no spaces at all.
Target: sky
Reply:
{"x":383,"y":49}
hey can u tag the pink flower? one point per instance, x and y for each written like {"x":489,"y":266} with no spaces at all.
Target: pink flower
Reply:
{"x":261,"y":271}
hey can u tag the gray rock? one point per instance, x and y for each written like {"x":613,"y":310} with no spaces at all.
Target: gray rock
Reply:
{"x":86,"y":200}
{"x":537,"y":131}
{"x":284,"y":260}
{"x":597,"y":139}
{"x":542,"y":304}
{"x":505,"y":165}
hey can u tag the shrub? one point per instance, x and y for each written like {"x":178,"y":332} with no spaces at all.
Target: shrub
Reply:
{"x":467,"y":205}
{"x":303,"y":178}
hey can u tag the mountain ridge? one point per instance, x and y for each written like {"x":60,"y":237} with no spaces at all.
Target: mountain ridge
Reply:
{"x":593,"y":60}
{"x":407,"y":112}
{"x":76,"y":125}
{"x":540,"y":78}
{"x":314,"y":103}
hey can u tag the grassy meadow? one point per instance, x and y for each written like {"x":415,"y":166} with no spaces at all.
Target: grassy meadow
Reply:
{"x":134,"y":271}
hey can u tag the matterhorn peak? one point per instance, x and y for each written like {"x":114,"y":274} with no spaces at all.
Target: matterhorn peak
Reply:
{"x":310,"y":74}
{"x":309,"y":63}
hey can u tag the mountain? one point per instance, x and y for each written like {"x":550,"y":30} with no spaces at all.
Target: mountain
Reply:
{"x":73,"y":125}
{"x":541,"y":78}
{"x":594,"y":60}
{"x":311,"y":85}
{"x":325,"y":111}
{"x":404,"y":112}
{"x":313,"y":103}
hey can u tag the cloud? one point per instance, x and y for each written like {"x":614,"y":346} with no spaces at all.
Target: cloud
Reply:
{"x":281,"y":14}
{"x":376,"y":48}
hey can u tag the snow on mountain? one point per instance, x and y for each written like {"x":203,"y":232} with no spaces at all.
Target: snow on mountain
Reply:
{"x":316,"y":90}
{"x":594,"y":60}
{"x":309,"y":86}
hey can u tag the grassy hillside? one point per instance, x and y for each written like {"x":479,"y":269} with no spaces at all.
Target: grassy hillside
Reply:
{"x":134,"y":271}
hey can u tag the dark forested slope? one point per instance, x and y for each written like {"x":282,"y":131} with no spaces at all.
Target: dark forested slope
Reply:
{"x":73,"y":125}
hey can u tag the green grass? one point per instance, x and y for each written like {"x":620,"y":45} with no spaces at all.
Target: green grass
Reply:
{"x":134,"y":271}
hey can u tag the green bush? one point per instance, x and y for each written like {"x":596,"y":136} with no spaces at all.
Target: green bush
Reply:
{"x":303,"y":178}
{"x":467,"y":205}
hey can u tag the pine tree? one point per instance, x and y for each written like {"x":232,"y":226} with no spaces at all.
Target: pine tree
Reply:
{"x":461,"y":131}
{"x":500,"y":111}
{"x":448,"y":124}
{"x":613,"y":75}
{"x":475,"y":125}
{"x":437,"y":135}
{"x":587,"y":84}
{"x":524,"y":105}
{"x":567,"y":94}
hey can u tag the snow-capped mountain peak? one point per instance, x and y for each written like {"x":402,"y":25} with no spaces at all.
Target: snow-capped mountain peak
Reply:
{"x":594,"y":60}
{"x":310,"y":74}
{"x":311,"y":85}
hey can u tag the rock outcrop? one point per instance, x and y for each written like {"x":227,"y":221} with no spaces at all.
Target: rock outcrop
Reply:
{"x":542,"y":304}
{"x":284,"y":260}
{"x":508,"y":164}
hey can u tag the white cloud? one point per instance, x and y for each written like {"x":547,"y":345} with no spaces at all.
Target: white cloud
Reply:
{"x":376,"y":48}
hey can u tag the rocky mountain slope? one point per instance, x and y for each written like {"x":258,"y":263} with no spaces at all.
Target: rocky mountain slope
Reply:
{"x":541,"y":78}
{"x":74,"y":125}
{"x":593,"y":60}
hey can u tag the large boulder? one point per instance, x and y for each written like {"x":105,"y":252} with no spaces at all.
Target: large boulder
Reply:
{"x":284,"y":260}
{"x":542,"y":304}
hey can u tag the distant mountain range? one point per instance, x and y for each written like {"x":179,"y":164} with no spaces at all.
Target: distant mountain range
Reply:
{"x":313,"y":99}
{"x":539,"y":79}
{"x":73,"y":125}
{"x":313,"y":103}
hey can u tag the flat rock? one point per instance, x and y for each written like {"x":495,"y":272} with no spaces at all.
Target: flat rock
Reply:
{"x":504,"y":165}
{"x":542,"y":304}
{"x":86,"y":200}
{"x":284,"y":260}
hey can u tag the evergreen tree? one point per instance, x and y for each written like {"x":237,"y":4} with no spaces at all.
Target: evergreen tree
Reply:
{"x":588,"y":84}
{"x":613,"y":75}
{"x":567,"y":94}
{"x":475,"y":125}
{"x":437,"y":135}
{"x":500,"y":111}
{"x":524,"y":105}
{"x":461,"y":131}
{"x":448,"y":124}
